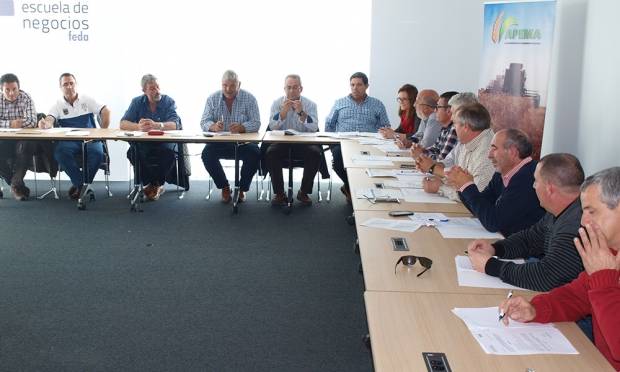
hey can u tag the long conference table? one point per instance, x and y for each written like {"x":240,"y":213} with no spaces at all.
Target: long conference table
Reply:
{"x":407,"y":315}
{"x":410,"y":315}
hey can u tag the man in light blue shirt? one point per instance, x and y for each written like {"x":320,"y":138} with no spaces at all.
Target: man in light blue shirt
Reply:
{"x":293,"y":111}
{"x":234,"y":110}
{"x":356,"y":112}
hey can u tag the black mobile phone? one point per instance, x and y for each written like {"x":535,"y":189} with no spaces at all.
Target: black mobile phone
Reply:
{"x":401,"y":213}
{"x":399,"y":244}
{"x":364,"y":153}
{"x":379,"y":185}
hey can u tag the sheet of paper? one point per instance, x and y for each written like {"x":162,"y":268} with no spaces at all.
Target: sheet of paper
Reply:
{"x":378,"y":172}
{"x":468,"y":277}
{"x":77,"y":133}
{"x":388,"y":146}
{"x":182,"y":133}
{"x":420,"y":196}
{"x":371,"y":158}
{"x":10,"y":129}
{"x":429,"y":219}
{"x":370,"y":141}
{"x":516,"y":338}
{"x":392,"y":224}
{"x":56,"y":130}
{"x":127,"y":133}
{"x":415,"y":184}
{"x":465,"y":228}
{"x":378,"y":193}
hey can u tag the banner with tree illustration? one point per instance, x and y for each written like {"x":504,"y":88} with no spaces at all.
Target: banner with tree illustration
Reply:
{"x":516,"y":60}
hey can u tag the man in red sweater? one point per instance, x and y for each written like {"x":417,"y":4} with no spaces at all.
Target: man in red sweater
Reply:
{"x":596,"y":291}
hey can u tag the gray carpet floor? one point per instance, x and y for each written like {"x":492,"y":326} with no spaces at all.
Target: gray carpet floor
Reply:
{"x":183,"y":286}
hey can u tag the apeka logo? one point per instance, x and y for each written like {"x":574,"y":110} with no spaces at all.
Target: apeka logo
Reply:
{"x":7,"y":8}
{"x":506,"y":29}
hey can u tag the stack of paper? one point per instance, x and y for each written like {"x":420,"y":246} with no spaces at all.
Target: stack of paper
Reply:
{"x":379,"y":172}
{"x":465,"y":228}
{"x":372,"y":160}
{"x":392,"y":224}
{"x":468,"y":277}
{"x":420,"y":196}
{"x":515,"y":339}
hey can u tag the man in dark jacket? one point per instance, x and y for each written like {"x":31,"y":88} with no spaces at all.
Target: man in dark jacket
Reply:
{"x":509,"y":203}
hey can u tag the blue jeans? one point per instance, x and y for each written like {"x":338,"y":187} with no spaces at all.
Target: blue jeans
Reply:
{"x":249,"y":154}
{"x":156,"y":160}
{"x":68,"y":155}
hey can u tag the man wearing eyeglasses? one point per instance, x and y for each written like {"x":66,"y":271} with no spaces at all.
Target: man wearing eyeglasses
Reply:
{"x":356,"y":112}
{"x":596,"y":291}
{"x":429,"y":128}
{"x":447,"y":136}
{"x":292,"y":111}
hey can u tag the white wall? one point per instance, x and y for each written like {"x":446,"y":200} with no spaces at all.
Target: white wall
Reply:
{"x":437,"y":44}
{"x":599,"y":124}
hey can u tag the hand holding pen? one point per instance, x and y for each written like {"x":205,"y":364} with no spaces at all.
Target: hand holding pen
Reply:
{"x":516,"y":308}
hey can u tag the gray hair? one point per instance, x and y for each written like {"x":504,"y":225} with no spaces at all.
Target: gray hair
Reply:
{"x":148,"y":78}
{"x":518,"y":139}
{"x":462,"y":99}
{"x":230,"y":75}
{"x":293,"y":76}
{"x":475,"y":116}
{"x":609,"y":181}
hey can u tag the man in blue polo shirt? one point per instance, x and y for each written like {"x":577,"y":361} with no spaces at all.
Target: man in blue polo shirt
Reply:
{"x":152,"y":111}
{"x":76,"y":111}
{"x":356,"y":112}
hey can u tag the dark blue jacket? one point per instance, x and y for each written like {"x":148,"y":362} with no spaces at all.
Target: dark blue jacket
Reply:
{"x":509,"y":209}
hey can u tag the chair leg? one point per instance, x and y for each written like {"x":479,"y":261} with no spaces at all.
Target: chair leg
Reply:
{"x":107,"y":184}
{"x":51,"y":191}
{"x":318,"y":186}
{"x":182,"y":194}
{"x":208,"y":197}
{"x":34,"y":164}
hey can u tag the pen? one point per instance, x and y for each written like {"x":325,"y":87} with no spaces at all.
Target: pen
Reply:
{"x":501,"y":313}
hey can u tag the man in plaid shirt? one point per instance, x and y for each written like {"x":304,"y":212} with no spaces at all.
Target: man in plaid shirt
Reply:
{"x":447,"y":136}
{"x":16,"y":111}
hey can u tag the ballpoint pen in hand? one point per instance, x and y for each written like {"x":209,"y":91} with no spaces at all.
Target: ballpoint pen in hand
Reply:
{"x":501,"y":313}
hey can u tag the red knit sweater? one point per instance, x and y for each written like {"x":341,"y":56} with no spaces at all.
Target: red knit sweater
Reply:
{"x":597,"y":295}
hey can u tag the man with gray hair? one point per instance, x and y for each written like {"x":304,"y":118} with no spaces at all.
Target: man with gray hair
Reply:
{"x":472,"y":123}
{"x":234,"y":110}
{"x":429,"y":128}
{"x":557,"y":179}
{"x":447,"y":107}
{"x":596,"y":291}
{"x":509,"y":203}
{"x":152,"y":111}
{"x":293,"y":112}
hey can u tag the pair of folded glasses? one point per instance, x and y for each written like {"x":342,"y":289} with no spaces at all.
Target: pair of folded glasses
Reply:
{"x":409,"y":261}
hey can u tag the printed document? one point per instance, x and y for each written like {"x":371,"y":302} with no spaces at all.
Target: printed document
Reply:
{"x":465,"y":228}
{"x":392,"y":224}
{"x":514,"y":339}
{"x":421,"y":196}
{"x":468,"y":277}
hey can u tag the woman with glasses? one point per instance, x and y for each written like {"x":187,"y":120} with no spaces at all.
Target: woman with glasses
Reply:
{"x":409,"y":121}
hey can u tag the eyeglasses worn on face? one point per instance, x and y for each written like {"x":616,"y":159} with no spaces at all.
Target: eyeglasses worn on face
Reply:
{"x":411,"y":260}
{"x":401,"y":100}
{"x":424,"y":104}
{"x":443,"y":107}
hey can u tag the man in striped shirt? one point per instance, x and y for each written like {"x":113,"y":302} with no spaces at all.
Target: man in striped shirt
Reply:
{"x":234,"y":110}
{"x":557,"y":180}
{"x":16,"y":111}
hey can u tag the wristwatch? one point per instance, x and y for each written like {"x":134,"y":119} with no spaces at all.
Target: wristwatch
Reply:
{"x":300,"y":113}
